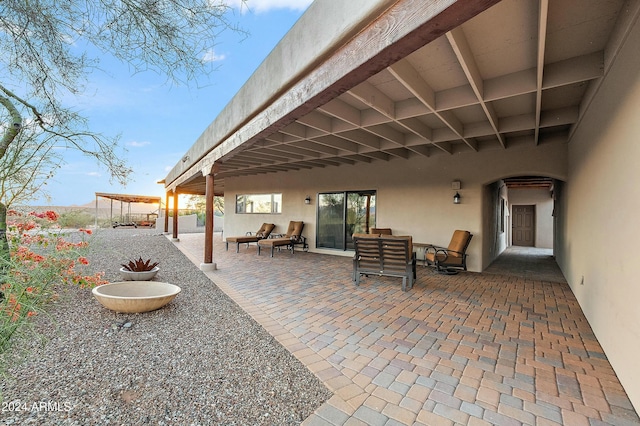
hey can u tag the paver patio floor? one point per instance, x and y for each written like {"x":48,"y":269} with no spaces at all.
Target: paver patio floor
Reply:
{"x":472,"y":348}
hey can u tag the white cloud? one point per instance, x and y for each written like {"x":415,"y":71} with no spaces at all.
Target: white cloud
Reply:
{"x":137,"y":144}
{"x":258,"y":6}
{"x":94,"y":174}
{"x":211,"y":56}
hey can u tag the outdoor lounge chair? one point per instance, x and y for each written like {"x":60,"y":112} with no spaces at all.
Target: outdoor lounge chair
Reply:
{"x":452,"y":259}
{"x":250,"y":237}
{"x":288,"y":240}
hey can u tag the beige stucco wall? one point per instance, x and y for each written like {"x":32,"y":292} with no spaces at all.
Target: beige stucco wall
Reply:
{"x":495,"y":222}
{"x":414,"y":197}
{"x":601,"y":234}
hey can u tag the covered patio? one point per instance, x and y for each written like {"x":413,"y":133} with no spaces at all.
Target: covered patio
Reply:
{"x":416,"y":102}
{"x":473,"y":348}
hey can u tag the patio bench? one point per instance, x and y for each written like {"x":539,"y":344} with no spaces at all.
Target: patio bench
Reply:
{"x":384,"y":255}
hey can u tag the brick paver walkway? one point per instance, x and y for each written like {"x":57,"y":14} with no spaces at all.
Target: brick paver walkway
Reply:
{"x":476,"y":349}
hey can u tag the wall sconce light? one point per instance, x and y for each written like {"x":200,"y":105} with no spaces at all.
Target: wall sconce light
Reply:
{"x":456,"y":186}
{"x":307,"y":200}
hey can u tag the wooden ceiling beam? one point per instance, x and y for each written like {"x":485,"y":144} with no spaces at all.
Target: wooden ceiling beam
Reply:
{"x":463,"y":52}
{"x":543,"y":12}
{"x":406,"y":74}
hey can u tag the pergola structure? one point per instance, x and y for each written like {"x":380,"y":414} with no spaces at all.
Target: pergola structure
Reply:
{"x":128,"y":199}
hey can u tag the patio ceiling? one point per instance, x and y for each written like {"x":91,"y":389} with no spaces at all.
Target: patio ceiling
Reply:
{"x":519,"y":73}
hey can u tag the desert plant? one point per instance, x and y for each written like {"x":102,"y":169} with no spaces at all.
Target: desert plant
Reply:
{"x":40,"y":262}
{"x":75,"y":219}
{"x":139,"y":265}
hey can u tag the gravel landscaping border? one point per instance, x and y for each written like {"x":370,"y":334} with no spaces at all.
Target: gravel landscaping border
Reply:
{"x":200,"y":360}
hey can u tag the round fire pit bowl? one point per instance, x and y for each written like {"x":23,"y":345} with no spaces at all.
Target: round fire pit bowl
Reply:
{"x":135,"y":296}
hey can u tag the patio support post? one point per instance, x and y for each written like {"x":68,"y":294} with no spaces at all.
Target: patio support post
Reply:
{"x":166,"y":215}
{"x":175,"y":216}
{"x":208,"y":264}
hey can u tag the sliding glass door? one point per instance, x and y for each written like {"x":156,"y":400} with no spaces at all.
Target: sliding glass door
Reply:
{"x":341,"y":214}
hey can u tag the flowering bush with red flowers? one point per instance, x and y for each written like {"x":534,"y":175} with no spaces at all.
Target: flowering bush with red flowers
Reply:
{"x":41,"y":260}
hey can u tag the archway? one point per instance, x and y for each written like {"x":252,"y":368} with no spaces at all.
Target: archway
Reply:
{"x":520,"y":222}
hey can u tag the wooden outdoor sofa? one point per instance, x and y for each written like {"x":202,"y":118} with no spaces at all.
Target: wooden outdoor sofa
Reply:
{"x":387,"y":255}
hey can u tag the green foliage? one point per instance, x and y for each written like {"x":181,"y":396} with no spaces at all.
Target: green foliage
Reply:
{"x":51,"y":48}
{"x":198,"y":203}
{"x":40,"y":261}
{"x":202,"y":217}
{"x":75,"y":219}
{"x":104,"y":223}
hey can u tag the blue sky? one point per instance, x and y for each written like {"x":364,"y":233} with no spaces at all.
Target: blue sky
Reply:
{"x":159,"y":122}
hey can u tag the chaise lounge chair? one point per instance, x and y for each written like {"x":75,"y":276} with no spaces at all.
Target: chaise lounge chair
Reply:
{"x":452,"y":259}
{"x":288,"y":240}
{"x":263,"y":232}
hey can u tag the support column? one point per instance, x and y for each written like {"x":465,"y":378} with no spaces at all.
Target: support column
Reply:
{"x":175,"y":216}
{"x":166,"y":215}
{"x":208,"y":264}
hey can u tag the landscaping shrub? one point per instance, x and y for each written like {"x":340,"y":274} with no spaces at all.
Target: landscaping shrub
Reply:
{"x":76,"y":219}
{"x":41,"y":259}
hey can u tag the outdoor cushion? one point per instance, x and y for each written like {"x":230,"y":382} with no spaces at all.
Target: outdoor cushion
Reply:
{"x":458,"y":243}
{"x":265,"y":230}
{"x":295,"y":229}
{"x":440,"y":257}
{"x":293,"y":236}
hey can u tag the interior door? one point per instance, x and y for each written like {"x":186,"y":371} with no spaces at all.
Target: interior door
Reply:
{"x":523,"y":225}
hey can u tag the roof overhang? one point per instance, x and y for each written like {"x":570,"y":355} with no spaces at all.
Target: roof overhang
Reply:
{"x":409,"y":78}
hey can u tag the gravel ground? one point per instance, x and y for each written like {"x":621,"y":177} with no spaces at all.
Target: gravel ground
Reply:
{"x":200,"y":360}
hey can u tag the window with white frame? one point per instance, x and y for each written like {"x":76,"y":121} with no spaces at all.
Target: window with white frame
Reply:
{"x":259,"y":203}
